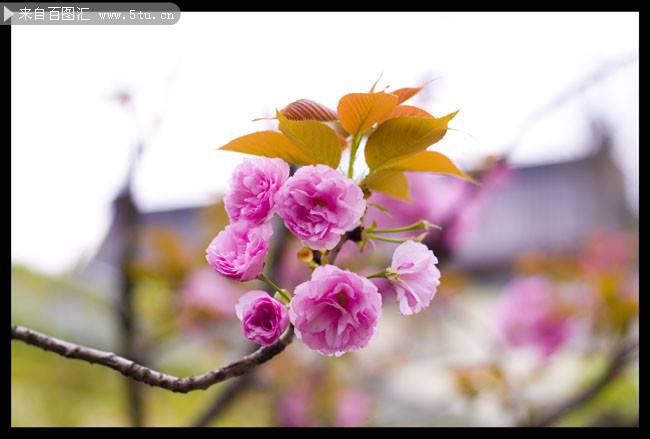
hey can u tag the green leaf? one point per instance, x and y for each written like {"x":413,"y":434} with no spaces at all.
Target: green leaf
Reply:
{"x":313,"y":138}
{"x":269,"y":144}
{"x":389,"y":182}
{"x":426,"y":161}
{"x":403,"y":136}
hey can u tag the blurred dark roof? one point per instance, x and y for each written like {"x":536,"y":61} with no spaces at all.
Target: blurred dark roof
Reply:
{"x":547,"y":207}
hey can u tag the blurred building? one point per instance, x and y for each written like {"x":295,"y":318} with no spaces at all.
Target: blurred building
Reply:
{"x":548,"y":207}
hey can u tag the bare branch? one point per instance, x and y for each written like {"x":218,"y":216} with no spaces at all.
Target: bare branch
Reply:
{"x":145,"y":374}
{"x":618,"y":361}
{"x":224,"y":399}
{"x":127,"y":222}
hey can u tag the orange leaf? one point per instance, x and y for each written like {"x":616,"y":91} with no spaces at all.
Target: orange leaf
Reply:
{"x":404,"y":136}
{"x":358,"y":112}
{"x":405,"y":93}
{"x":406,"y":111}
{"x":305,"y":109}
{"x":269,"y":144}
{"x":313,"y":138}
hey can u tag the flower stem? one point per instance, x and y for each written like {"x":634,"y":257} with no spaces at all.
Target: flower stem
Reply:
{"x":423,"y":224}
{"x":284,"y":293}
{"x":381,"y":238}
{"x":353,"y":154}
{"x":378,"y":274}
{"x":284,"y":296}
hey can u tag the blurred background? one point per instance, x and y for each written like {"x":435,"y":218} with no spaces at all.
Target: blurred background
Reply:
{"x":117,"y":186}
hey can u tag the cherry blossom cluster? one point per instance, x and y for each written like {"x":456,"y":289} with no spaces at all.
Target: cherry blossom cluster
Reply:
{"x":336,"y":311}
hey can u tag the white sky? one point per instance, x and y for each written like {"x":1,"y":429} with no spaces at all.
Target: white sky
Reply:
{"x":211,"y":73}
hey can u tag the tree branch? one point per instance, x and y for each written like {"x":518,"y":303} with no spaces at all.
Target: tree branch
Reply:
{"x":618,"y":361}
{"x":144,"y":374}
{"x":127,"y":221}
{"x":153,"y":377}
{"x":224,"y":399}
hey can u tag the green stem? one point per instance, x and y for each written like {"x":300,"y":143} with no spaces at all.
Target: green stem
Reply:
{"x":270,"y":283}
{"x":381,"y":238}
{"x":353,"y":154}
{"x":378,"y":274}
{"x":284,"y":296}
{"x":415,"y":226}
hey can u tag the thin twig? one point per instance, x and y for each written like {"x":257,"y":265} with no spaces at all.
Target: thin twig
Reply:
{"x":145,"y":374}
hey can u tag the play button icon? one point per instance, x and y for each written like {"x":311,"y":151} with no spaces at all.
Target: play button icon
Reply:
{"x":8,"y":13}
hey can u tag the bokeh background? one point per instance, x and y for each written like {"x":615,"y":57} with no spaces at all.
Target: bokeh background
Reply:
{"x":117,"y":186}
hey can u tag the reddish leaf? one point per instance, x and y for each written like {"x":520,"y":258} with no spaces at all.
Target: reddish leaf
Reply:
{"x":305,"y":109}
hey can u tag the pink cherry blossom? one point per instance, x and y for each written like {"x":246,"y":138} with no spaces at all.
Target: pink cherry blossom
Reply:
{"x":414,"y":275}
{"x":336,"y":311}
{"x":527,"y":315}
{"x":254,"y":184}
{"x":318,"y":205}
{"x":263,"y":318}
{"x":239,"y":250}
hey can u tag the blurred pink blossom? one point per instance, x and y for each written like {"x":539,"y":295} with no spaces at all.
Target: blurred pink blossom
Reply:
{"x":294,"y":408}
{"x":469,"y":210}
{"x":528,"y":314}
{"x":607,"y":249}
{"x":444,"y":200}
{"x":204,"y":296}
{"x":352,"y":408}
{"x":433,"y":198}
